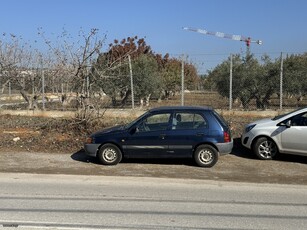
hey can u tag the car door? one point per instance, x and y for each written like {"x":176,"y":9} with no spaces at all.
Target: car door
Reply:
{"x":188,"y":129}
{"x":148,"y":137}
{"x":293,"y":139}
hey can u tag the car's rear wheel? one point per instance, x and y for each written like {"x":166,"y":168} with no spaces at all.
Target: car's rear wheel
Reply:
{"x":109,"y":154}
{"x":206,"y":156}
{"x":265,"y":148}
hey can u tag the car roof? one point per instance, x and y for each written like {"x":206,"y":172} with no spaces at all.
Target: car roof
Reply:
{"x":181,"y":108}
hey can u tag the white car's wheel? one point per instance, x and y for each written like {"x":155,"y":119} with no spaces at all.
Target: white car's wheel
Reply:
{"x":265,"y":148}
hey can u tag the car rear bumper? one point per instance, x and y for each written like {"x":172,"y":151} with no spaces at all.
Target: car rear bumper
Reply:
{"x":225,"y":148}
{"x":91,"y":149}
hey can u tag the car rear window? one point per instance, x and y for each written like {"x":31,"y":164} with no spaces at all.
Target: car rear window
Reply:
{"x":220,"y":119}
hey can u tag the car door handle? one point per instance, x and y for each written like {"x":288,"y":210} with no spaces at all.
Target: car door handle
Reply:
{"x":200,"y":134}
{"x":162,"y":136}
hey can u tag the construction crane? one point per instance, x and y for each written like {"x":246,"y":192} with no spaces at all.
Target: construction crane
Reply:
{"x":247,"y":40}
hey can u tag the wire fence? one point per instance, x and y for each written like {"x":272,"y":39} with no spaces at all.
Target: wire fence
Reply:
{"x":205,"y":97}
{"x":287,"y":90}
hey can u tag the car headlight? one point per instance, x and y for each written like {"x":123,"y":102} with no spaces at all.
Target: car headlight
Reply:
{"x":90,"y":140}
{"x":249,"y":128}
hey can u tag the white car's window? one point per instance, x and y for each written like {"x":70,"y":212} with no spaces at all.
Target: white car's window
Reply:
{"x":299,"y":120}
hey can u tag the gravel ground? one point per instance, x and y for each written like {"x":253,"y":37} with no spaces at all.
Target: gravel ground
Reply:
{"x":232,"y":167}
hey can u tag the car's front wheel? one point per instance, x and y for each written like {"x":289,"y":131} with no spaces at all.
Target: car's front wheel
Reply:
{"x":265,"y":148}
{"x":109,"y":154}
{"x":206,"y":156}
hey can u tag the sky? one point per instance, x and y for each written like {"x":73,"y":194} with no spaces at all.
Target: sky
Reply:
{"x":280,"y":24}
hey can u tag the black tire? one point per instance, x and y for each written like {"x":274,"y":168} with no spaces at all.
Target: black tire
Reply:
{"x":265,"y":148}
{"x":206,"y":156}
{"x":109,"y":154}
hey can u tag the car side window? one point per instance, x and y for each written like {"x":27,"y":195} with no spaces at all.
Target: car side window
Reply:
{"x":199,"y":122}
{"x":188,"y":121}
{"x":155,"y":122}
{"x":299,"y":120}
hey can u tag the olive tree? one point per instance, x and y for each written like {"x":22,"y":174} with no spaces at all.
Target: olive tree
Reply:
{"x":112,"y":71}
{"x":295,"y":76}
{"x":146,"y":78}
{"x":251,"y":80}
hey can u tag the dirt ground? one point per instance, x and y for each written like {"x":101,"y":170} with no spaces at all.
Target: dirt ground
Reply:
{"x":54,"y":146}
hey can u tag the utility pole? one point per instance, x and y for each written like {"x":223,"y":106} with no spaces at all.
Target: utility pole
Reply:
{"x":230,"y":84}
{"x":87,"y":80}
{"x":43,"y":88}
{"x":87,"y":86}
{"x":182,"y":81}
{"x":43,"y":82}
{"x":131,"y":82}
{"x":10,"y":90}
{"x":281,"y":81}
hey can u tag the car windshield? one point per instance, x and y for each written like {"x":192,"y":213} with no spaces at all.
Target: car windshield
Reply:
{"x":283,"y":115}
{"x":129,"y":125}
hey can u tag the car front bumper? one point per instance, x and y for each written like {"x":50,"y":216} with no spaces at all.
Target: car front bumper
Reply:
{"x":91,"y":149}
{"x":246,"y":140}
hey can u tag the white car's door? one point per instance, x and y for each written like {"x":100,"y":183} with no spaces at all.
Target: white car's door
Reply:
{"x":294,"y":138}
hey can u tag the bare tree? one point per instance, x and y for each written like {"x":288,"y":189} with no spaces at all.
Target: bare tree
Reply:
{"x":19,"y":65}
{"x":71,"y":62}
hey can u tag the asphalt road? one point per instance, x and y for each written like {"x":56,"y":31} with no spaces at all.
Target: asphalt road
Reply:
{"x":29,"y":201}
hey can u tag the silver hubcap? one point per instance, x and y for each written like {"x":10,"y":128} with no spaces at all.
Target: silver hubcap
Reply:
{"x":109,"y":154}
{"x":205,"y":156}
{"x":267,"y":149}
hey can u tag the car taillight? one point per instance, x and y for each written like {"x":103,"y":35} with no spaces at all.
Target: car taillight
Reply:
{"x":227,"y":137}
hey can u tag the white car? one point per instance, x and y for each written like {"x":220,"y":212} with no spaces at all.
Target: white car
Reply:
{"x":285,"y":133}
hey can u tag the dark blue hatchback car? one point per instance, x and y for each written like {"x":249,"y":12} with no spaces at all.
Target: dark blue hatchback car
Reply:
{"x":165,"y":132}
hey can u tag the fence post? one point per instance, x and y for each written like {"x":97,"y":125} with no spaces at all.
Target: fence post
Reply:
{"x":43,"y":89}
{"x":131,"y":82}
{"x":10,"y":89}
{"x":230,"y":84}
{"x":281,"y":82}
{"x":182,"y":81}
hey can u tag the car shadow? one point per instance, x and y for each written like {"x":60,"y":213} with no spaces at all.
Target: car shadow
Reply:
{"x":240,"y":151}
{"x":291,"y":158}
{"x":82,"y":157}
{"x":161,"y":161}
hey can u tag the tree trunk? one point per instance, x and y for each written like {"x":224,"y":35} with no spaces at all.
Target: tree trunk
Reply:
{"x":125,"y":97}
{"x":32,"y":102}
{"x":3,"y":86}
{"x":147,"y":100}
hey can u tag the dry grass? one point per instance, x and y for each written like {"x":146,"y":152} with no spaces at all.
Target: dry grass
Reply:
{"x":58,"y":131}
{"x":64,"y":135}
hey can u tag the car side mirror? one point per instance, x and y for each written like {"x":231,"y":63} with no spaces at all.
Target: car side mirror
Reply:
{"x":134,"y":130}
{"x":288,"y":124}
